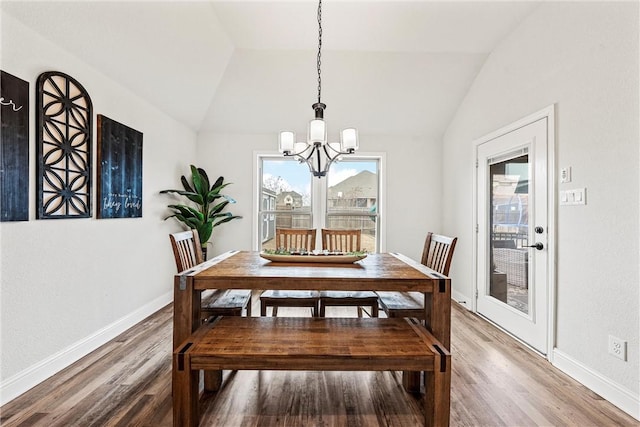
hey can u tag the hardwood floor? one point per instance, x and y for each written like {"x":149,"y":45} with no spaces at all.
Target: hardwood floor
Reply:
{"x":495,"y":382}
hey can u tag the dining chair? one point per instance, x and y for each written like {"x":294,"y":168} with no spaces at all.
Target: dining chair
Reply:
{"x":291,"y":238}
{"x":437,"y":255}
{"x":220,"y":302}
{"x":336,"y":240}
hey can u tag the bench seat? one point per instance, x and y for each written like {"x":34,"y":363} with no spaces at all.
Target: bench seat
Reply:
{"x":287,"y":298}
{"x":226,"y":302}
{"x":402,"y":304}
{"x":312,"y":344}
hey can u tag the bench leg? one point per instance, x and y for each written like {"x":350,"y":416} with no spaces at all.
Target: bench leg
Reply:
{"x":438,"y":393}
{"x":185,"y":392}
{"x":212,"y":380}
{"x":263,"y":309}
{"x":375,"y":310}
{"x":411,"y":381}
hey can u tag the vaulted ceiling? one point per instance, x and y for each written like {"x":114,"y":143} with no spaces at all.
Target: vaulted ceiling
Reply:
{"x":388,"y":67}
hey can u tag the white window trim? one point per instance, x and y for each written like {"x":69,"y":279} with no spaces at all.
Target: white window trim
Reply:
{"x":319,"y":212}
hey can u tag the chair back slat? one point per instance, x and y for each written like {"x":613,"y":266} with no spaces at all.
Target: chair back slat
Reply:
{"x":296,"y":238}
{"x":438,"y":252}
{"x":186,"y":249}
{"x":341,"y":240}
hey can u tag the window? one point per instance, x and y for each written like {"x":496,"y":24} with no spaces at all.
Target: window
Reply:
{"x":352,"y":199}
{"x":288,"y":196}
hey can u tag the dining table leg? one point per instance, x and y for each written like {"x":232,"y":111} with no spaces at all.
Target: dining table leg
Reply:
{"x":186,"y":309}
{"x":437,"y":319}
{"x":186,"y":319}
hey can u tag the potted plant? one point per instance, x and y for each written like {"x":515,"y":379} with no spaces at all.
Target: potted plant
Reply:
{"x":208,"y":211}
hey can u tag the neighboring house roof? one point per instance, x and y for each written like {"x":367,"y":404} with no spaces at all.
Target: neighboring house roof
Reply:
{"x":361,"y":185}
{"x":265,"y":190}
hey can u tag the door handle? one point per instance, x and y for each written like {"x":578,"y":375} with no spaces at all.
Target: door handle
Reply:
{"x":539,"y":246}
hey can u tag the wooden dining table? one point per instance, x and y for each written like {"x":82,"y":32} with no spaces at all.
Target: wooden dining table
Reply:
{"x":248,"y":270}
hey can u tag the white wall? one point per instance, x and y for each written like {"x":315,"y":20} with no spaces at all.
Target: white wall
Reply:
{"x":582,"y":57}
{"x":413,"y":185}
{"x":69,"y":285}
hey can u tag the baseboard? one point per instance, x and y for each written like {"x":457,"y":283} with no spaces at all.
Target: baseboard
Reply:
{"x":618,"y":395}
{"x":21,"y":382}
{"x":461,"y":299}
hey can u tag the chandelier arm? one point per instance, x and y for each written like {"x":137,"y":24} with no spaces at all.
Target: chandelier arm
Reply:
{"x":326,"y":152}
{"x":300,"y":157}
{"x":330,"y":160}
{"x":338,"y":153}
{"x":318,"y":160}
{"x":307,"y":160}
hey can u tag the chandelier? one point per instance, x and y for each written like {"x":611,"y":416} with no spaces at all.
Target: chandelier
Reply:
{"x":316,"y":152}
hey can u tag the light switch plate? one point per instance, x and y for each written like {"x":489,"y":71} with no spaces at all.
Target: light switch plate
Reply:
{"x":565,"y":174}
{"x":577,"y":196}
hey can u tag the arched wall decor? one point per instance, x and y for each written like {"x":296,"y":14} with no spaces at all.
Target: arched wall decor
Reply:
{"x":64,"y":132}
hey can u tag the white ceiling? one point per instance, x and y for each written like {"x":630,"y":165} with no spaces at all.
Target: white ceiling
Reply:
{"x":388,"y":67}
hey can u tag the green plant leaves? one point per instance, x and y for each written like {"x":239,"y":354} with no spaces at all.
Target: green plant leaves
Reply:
{"x":204,"y":178}
{"x":218,"y":183}
{"x":227,"y":219}
{"x":194,"y":197}
{"x":203,"y":217}
{"x":186,"y":185}
{"x":196,"y":179}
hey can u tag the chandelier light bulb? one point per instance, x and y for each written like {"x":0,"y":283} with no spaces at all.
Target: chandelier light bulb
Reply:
{"x":287,"y":141}
{"x":349,"y":139}
{"x":317,"y":132}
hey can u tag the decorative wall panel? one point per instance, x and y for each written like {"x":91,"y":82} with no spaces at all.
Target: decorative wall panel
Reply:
{"x":119,"y":170}
{"x":14,"y":148}
{"x":64,"y":125}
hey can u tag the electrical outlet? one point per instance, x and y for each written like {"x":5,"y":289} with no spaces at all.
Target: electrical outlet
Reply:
{"x":618,"y":347}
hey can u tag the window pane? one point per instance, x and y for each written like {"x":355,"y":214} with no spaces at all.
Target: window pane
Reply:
{"x":286,"y":198}
{"x":352,"y":199}
{"x":509,"y":224}
{"x":365,"y":223}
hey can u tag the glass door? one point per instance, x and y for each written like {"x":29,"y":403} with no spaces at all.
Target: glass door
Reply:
{"x":512,"y":222}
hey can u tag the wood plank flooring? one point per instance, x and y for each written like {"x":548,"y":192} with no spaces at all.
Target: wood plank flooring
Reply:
{"x":495,"y":382}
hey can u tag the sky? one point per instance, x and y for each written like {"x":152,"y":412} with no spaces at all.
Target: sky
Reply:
{"x":298,"y":177}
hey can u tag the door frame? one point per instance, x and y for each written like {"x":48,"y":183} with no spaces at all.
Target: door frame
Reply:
{"x":549,"y":114}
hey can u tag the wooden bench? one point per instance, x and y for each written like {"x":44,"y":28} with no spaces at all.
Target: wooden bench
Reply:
{"x":311,"y":344}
